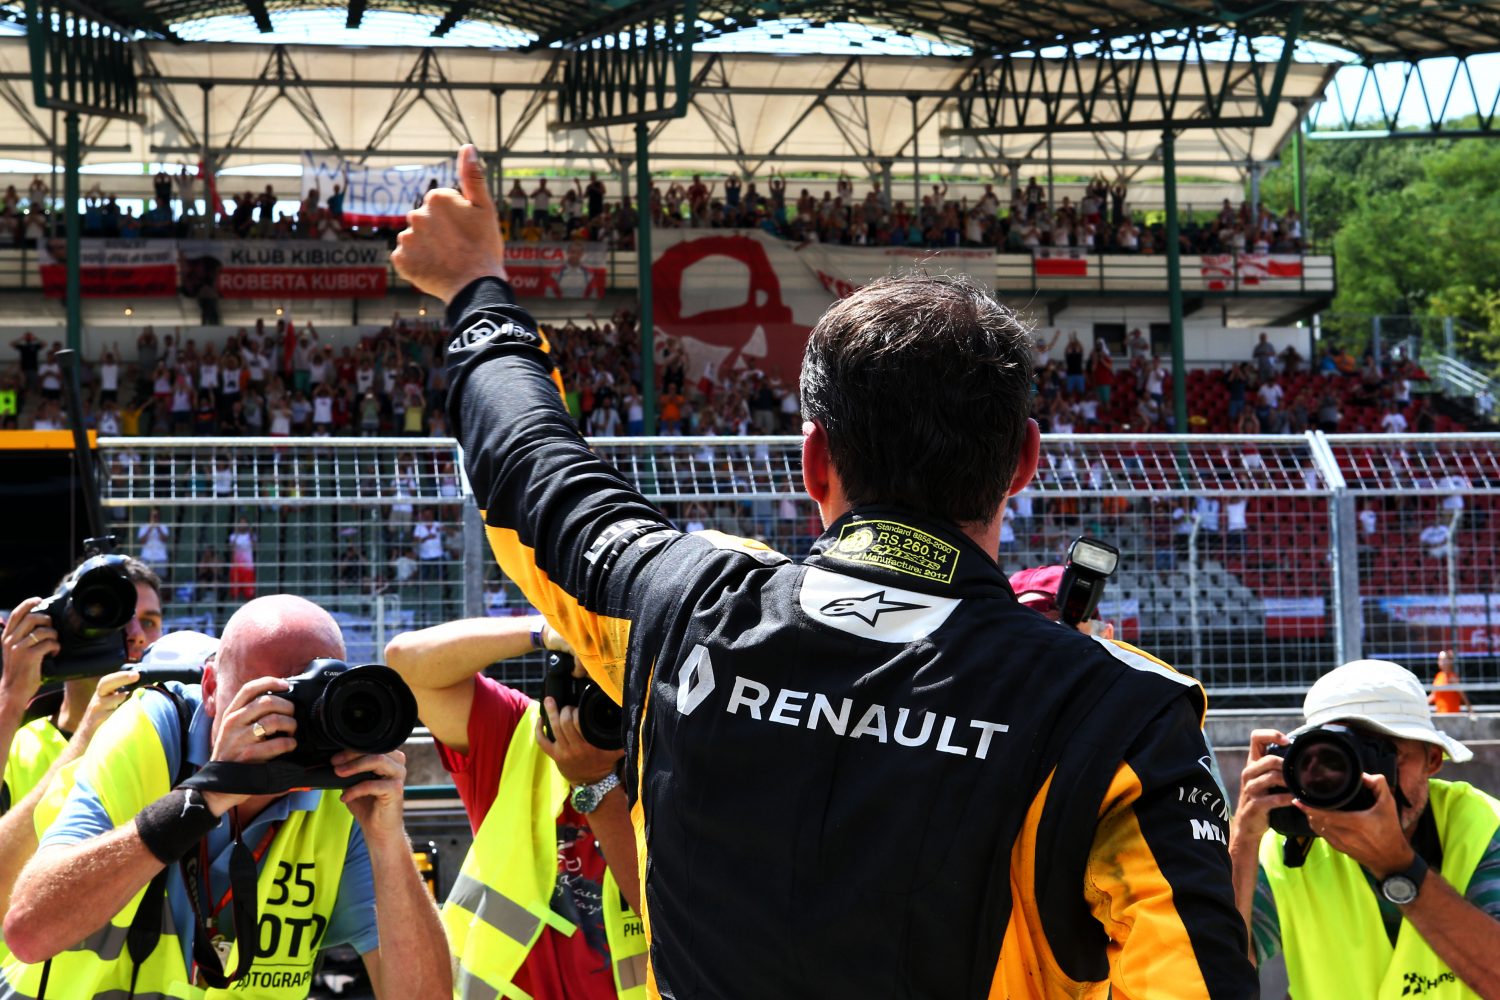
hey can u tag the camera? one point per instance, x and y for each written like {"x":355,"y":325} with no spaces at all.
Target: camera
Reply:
{"x":599,"y":718}
{"x":1088,"y":566}
{"x":1324,"y":767}
{"x":90,"y":611}
{"x":338,"y":707}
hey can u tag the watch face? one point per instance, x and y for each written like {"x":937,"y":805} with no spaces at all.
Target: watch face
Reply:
{"x":1399,"y":889}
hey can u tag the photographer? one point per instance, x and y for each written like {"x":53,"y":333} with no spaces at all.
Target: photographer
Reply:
{"x":591,"y":944}
{"x":28,"y":638}
{"x":1398,"y":898}
{"x":333,"y":867}
{"x":38,"y":749}
{"x":872,"y":773}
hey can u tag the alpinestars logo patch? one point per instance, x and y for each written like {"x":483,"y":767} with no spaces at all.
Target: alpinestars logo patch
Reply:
{"x":482,"y":330}
{"x":868,"y":608}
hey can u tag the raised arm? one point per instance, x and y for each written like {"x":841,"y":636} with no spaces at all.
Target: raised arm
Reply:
{"x":550,"y":505}
{"x":439,"y":665}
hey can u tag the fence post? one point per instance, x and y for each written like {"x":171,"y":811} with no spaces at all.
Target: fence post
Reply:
{"x":1343,"y":518}
{"x":476,"y":552}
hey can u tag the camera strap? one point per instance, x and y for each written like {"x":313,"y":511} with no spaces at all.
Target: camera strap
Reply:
{"x":271,"y":777}
{"x":241,"y":900}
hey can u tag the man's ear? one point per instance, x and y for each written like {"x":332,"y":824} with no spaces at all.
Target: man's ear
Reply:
{"x":1031,"y":450}
{"x":1434,"y":759}
{"x":210,"y":685}
{"x":817,"y":465}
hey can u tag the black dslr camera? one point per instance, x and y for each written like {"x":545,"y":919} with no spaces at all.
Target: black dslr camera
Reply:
{"x":368,"y":709}
{"x":90,"y":611}
{"x":1324,"y":767}
{"x":599,"y":718}
{"x":338,"y":707}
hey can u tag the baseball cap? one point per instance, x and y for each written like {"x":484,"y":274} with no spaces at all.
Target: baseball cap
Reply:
{"x":1036,"y":588}
{"x":1382,"y":696}
{"x":183,"y":650}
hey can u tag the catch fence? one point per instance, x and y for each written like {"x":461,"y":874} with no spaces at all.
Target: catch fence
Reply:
{"x":1253,"y":563}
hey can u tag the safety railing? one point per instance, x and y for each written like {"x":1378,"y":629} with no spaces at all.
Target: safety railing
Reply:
{"x":1252,"y":563}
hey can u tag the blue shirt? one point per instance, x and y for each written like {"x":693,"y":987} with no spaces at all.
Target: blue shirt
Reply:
{"x":84,"y":817}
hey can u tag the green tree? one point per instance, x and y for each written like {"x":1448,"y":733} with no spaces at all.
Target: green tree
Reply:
{"x":1413,"y":225}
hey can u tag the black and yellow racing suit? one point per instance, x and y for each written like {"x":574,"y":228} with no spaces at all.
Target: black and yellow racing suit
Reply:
{"x":869,"y":774}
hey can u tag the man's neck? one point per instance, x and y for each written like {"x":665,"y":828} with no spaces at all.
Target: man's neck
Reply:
{"x":76,"y":697}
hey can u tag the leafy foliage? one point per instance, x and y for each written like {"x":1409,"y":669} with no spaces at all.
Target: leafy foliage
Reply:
{"x":1413,"y":224}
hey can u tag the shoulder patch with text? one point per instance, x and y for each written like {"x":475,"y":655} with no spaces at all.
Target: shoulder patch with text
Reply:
{"x":898,"y":547}
{"x":482,"y":330}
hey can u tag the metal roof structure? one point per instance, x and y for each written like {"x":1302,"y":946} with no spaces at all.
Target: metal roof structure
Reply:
{"x":749,"y":114}
{"x":1372,"y":30}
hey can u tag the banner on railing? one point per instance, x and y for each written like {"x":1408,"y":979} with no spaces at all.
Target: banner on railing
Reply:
{"x":1296,"y":617}
{"x":284,"y":269}
{"x":840,"y":270}
{"x":374,"y":196}
{"x":1220,"y":270}
{"x":1059,"y":262}
{"x":575,"y":270}
{"x":1470,"y":623}
{"x":110,"y":268}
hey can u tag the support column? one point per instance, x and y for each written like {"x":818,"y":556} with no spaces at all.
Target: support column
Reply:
{"x":206,"y":158}
{"x":71,"y":163}
{"x":1375,"y":338}
{"x":885,"y":184}
{"x":643,"y":273}
{"x":1013,"y":168}
{"x":1051,"y":193}
{"x":497,"y":184}
{"x":916,"y":161}
{"x":1255,"y":194}
{"x":1299,"y":147}
{"x":1174,"y":282}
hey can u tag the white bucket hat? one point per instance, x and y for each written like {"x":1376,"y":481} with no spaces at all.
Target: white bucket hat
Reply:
{"x":1381,"y":695}
{"x":185,"y":650}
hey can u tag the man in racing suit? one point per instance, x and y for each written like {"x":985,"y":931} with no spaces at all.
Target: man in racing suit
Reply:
{"x":872,"y":773}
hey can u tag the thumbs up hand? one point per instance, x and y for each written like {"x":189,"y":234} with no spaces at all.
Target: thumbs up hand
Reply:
{"x":454,"y":237}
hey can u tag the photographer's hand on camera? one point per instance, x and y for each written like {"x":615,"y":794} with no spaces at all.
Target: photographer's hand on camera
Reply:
{"x":28,"y":639}
{"x":239,"y":740}
{"x":375,"y":802}
{"x":454,"y":238}
{"x":1259,"y":782}
{"x":1373,"y":837}
{"x":577,"y":760}
{"x":111,"y":692}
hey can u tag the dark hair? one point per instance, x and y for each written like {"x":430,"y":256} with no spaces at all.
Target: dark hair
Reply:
{"x":923,"y":384}
{"x":135,"y":571}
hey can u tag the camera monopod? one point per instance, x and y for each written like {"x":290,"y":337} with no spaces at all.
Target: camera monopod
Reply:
{"x":99,"y":543}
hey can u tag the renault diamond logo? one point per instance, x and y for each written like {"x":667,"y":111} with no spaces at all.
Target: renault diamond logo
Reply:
{"x":695,"y":681}
{"x":868,"y":608}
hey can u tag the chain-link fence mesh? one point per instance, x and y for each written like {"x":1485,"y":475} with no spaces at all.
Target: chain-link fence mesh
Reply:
{"x":1253,"y":563}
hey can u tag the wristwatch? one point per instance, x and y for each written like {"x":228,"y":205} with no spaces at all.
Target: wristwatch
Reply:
{"x":1402,"y":887}
{"x":586,"y":798}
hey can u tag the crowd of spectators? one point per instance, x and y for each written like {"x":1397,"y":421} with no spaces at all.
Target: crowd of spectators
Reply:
{"x":1275,"y":391}
{"x":1102,"y":221}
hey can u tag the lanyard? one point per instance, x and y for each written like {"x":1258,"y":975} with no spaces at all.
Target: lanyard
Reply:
{"x":241,"y":899}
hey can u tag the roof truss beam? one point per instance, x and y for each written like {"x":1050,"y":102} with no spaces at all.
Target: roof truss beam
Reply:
{"x":1412,"y":100}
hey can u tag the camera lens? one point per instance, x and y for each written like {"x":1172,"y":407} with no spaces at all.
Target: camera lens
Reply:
{"x":103,"y":598}
{"x":599,"y":719}
{"x":1323,"y":769}
{"x":368,"y":709}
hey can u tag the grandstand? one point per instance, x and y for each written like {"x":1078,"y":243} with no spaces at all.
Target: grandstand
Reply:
{"x":201,"y":204}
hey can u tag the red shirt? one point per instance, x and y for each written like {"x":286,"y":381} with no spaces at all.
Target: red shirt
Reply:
{"x":558,"y":967}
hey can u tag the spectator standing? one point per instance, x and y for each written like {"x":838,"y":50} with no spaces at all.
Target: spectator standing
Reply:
{"x":49,"y":373}
{"x":1447,"y":697}
{"x":1264,"y":357}
{"x":152,"y":538}
{"x":1073,"y":362}
{"x":242,"y":562}
{"x":428,"y":535}
{"x":1394,"y":421}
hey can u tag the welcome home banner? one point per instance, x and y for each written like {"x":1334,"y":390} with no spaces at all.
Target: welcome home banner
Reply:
{"x":374,"y":196}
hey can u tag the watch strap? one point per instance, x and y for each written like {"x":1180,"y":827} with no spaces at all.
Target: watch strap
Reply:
{"x":586,"y":798}
{"x":1415,"y":873}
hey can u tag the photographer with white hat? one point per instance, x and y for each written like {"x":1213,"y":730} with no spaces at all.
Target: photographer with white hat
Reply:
{"x":1393,"y":891}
